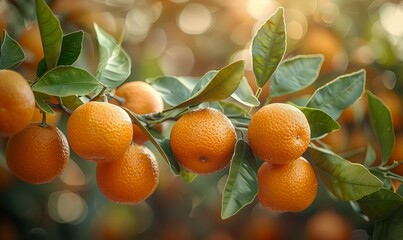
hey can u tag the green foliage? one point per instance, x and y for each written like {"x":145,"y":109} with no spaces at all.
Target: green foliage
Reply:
{"x":244,"y":94}
{"x":241,"y":186}
{"x":51,"y":33}
{"x":268,"y":47}
{"x":390,"y":228}
{"x":346,"y":181}
{"x":228,"y":91}
{"x":320,"y":122}
{"x":380,"y":204}
{"x":66,"y":81}
{"x":11,"y":54}
{"x":338,"y":94}
{"x":114,"y":65}
{"x":295,"y":74}
{"x":219,"y":87}
{"x":381,"y":122}
{"x":172,"y":90}
{"x":71,"y":48}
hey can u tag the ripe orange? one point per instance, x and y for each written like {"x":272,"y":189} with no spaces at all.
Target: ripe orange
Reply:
{"x":203,"y":140}
{"x":99,"y":131}
{"x":328,"y":225}
{"x":322,"y":40}
{"x":131,"y":179}
{"x":50,"y":119}
{"x":31,"y":42}
{"x":397,"y":155}
{"x":140,"y":98}
{"x":17,"y":102}
{"x":279,"y":133}
{"x":37,"y":154}
{"x":287,"y":187}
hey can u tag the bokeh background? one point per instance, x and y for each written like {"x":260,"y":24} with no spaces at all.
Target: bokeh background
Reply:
{"x":189,"y":38}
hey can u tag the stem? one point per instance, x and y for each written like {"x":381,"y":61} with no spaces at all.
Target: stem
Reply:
{"x":43,"y":123}
{"x":241,"y":124}
{"x":101,"y":93}
{"x":120,"y":100}
{"x":394,"y":176}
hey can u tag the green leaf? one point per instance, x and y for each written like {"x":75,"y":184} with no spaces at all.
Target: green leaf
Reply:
{"x":319,"y":122}
{"x":71,"y":48}
{"x":114,"y":65}
{"x":241,"y":186}
{"x":72,"y":102}
{"x":171,"y":89}
{"x":204,"y":80}
{"x":380,"y":204}
{"x":187,"y":176}
{"x":295,"y":74}
{"x":338,"y":94}
{"x":370,"y":156}
{"x":40,"y":100}
{"x":161,"y":143}
{"x":381,"y":122}
{"x":220,"y":87}
{"x":390,"y":228}
{"x":268,"y":47}
{"x":51,"y":33}
{"x":245,"y":95}
{"x":41,"y":68}
{"x":64,"y":81}
{"x":11,"y":53}
{"x":345,"y":180}
{"x":235,"y":112}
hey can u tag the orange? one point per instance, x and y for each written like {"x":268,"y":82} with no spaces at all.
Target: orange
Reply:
{"x":50,"y":119}
{"x":279,"y":133}
{"x":140,"y":98}
{"x":394,"y":102}
{"x":328,"y":225}
{"x":320,"y":40}
{"x":99,"y":131}
{"x":37,"y":154}
{"x":31,"y":42}
{"x":203,"y":140}
{"x":131,"y":179}
{"x":287,"y":187}
{"x":397,"y":155}
{"x":17,"y":103}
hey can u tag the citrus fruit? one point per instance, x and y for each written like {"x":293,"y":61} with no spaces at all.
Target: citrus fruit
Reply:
{"x":321,"y":40}
{"x":287,"y":187}
{"x":38,"y":153}
{"x":99,"y":131}
{"x":131,"y":179}
{"x":50,"y":119}
{"x":397,"y":155}
{"x":30,"y":40}
{"x":140,"y":98}
{"x":328,"y":225}
{"x":279,"y":133}
{"x":17,"y":103}
{"x":203,"y":140}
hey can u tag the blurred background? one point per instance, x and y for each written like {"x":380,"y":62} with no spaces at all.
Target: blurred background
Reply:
{"x":189,"y":38}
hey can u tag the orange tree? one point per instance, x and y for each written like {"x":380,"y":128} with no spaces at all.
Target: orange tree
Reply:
{"x":367,"y":186}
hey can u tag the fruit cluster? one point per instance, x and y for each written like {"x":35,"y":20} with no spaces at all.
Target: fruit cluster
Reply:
{"x":101,"y":132}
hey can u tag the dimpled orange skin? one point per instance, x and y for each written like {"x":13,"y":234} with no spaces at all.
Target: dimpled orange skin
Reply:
{"x":131,"y":179}
{"x":279,"y":133}
{"x":203,"y":141}
{"x":140,"y":98}
{"x":99,"y":131}
{"x":17,"y":103}
{"x":37,"y":154}
{"x":287,"y":187}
